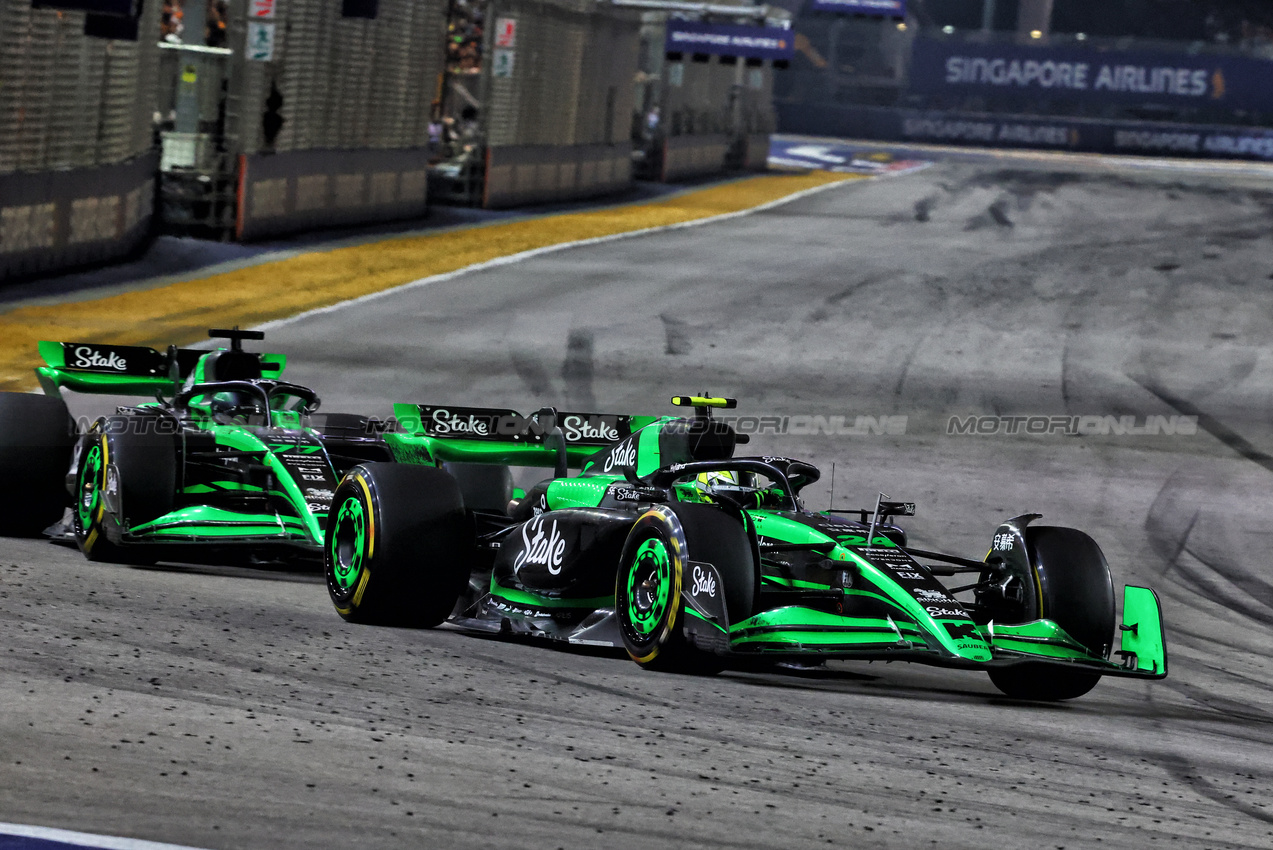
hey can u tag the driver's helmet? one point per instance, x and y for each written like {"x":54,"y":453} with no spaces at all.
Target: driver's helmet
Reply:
{"x":725,"y":482}
{"x":235,"y":407}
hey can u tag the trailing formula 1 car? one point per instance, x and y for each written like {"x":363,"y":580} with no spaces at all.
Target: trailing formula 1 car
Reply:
{"x":226,"y":455}
{"x":690,"y":559}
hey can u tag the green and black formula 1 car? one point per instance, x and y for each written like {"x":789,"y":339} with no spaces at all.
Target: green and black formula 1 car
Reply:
{"x":227,"y":457}
{"x":691,"y":559}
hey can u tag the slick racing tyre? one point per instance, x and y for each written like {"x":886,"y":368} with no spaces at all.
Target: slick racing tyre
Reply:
{"x":127,"y":476}
{"x":1072,"y":587}
{"x":653,"y":578}
{"x":399,"y":545}
{"x":36,"y":439}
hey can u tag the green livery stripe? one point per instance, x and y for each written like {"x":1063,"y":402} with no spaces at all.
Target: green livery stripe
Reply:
{"x":96,"y":382}
{"x":880,"y":597}
{"x":417,"y":447}
{"x":223,"y":486}
{"x":531,"y":600}
{"x":883,"y":628}
{"x":247,"y":534}
{"x":1035,"y":631}
{"x":1038,"y":647}
{"x":216,"y":522}
{"x":825,"y":640}
{"x":798,"y":584}
{"x":846,"y":624}
{"x":692,"y":613}
{"x":578,"y":492}
{"x":797,"y":616}
{"x":228,"y":529}
{"x":794,"y":582}
{"x":649,"y":458}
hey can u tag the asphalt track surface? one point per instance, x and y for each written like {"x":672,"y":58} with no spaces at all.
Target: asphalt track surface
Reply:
{"x":230,"y":707}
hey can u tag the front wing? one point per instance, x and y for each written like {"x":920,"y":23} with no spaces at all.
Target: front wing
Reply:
{"x":799,"y":631}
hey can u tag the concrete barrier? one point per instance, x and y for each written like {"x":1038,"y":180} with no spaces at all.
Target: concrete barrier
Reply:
{"x":756,"y":152}
{"x":527,"y":174}
{"x":689,"y":156}
{"x":54,"y":220}
{"x":302,"y":190}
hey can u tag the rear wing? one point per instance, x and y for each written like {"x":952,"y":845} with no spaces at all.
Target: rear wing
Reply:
{"x":502,"y":435}
{"x":90,"y":367}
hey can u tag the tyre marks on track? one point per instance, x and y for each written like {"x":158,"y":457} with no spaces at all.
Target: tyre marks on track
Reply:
{"x":1210,"y":424}
{"x":578,"y":370}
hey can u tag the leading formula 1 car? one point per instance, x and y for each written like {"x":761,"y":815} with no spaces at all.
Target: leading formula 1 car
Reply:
{"x":225,"y":457}
{"x":668,"y":546}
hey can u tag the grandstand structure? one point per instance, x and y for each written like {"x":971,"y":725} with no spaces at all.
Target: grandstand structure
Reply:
{"x":250,"y":119}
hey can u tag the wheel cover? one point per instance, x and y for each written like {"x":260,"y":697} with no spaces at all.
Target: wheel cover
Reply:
{"x":89,"y":494}
{"x":649,"y":586}
{"x":347,"y":543}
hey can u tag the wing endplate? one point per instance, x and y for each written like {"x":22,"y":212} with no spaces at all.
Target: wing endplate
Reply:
{"x":1144,"y":643}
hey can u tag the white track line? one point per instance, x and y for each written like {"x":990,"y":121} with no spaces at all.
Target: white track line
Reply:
{"x":1190,"y":165}
{"x":84,"y":839}
{"x":549,"y":249}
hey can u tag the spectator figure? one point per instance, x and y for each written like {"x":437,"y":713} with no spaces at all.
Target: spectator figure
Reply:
{"x":469,"y":129}
{"x":464,"y":38}
{"x":170,"y":22}
{"x":272,"y":122}
{"x":218,"y":13}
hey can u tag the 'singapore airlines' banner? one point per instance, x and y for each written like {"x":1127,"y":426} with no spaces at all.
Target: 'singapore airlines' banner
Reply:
{"x":1166,"y":79}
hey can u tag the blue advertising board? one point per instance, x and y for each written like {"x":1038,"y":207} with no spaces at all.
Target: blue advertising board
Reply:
{"x":945,"y":127}
{"x":729,"y":40}
{"x":883,"y":8}
{"x":1165,"y":79}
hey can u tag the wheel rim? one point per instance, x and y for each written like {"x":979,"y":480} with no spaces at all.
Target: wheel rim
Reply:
{"x":347,"y":545}
{"x":89,"y":493}
{"x":649,"y":586}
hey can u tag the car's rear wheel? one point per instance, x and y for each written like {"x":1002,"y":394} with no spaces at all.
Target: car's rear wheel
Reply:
{"x":1071,"y":585}
{"x":37,"y":435}
{"x":399,"y":545}
{"x":134,"y":460}
{"x":651,"y":583}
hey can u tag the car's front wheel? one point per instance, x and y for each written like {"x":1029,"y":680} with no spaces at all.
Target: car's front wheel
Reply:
{"x":1071,"y":585}
{"x":654,"y":570}
{"x":133,"y":460}
{"x":399,"y":545}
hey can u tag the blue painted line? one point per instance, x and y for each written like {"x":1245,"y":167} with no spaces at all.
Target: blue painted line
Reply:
{"x":22,"y":837}
{"x":842,"y":157}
